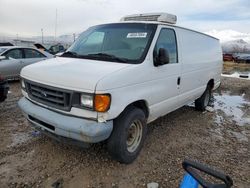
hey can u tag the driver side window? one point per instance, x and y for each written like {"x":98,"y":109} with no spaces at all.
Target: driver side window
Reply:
{"x":30,"y":53}
{"x":15,"y":54}
{"x":167,"y":41}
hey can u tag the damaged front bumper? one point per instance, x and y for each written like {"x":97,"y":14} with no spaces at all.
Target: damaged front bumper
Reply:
{"x":76,"y":128}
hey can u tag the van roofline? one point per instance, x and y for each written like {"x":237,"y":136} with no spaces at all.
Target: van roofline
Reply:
{"x":162,"y":23}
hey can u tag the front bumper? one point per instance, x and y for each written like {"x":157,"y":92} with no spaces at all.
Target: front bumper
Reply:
{"x":4,"y":88}
{"x":80,"y":129}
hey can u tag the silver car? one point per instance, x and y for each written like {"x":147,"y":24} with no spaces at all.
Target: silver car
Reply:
{"x":13,"y":59}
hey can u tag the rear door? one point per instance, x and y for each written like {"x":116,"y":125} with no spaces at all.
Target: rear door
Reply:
{"x":11,"y":66}
{"x":166,"y":76}
{"x":32,"y":56}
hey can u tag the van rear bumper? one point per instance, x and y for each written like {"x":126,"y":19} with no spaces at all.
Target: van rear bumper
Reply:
{"x":80,"y":129}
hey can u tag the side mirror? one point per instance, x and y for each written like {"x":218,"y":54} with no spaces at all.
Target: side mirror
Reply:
{"x":161,"y":58}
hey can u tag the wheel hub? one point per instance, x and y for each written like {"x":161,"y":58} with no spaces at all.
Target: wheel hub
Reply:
{"x":134,"y":135}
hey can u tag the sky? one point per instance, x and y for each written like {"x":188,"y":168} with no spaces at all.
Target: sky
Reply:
{"x":28,"y":17}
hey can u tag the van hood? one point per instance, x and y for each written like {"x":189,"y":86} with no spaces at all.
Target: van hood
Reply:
{"x":71,"y":73}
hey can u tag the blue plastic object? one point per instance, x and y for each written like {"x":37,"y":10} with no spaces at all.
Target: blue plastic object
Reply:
{"x":35,"y":133}
{"x":189,"y":182}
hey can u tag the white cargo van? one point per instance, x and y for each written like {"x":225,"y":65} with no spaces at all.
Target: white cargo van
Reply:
{"x":118,"y":77}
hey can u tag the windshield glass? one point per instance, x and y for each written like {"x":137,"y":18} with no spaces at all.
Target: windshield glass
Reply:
{"x":121,"y":42}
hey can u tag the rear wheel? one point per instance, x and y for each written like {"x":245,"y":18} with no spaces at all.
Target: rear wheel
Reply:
{"x":202,"y":102}
{"x":128,"y":135}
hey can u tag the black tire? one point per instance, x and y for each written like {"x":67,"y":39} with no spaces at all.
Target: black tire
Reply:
{"x":202,"y":102}
{"x":118,"y":142}
{"x":2,"y":98}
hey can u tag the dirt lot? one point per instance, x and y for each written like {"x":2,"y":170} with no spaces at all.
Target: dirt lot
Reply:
{"x":230,"y":67}
{"x":220,"y":138}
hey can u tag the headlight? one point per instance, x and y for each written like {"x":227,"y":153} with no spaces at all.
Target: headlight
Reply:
{"x":87,"y":100}
{"x":97,"y":102}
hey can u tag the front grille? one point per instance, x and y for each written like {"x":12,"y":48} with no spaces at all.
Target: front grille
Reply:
{"x":50,"y":96}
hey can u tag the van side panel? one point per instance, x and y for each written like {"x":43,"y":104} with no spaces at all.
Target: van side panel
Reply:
{"x":156,"y":86}
{"x":201,"y":59}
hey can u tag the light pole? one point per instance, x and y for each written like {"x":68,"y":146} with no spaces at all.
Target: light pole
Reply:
{"x":55,"y":25}
{"x":42,"y":35}
{"x":16,"y":39}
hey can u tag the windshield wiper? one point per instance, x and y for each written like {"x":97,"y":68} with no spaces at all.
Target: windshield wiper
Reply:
{"x":95,"y":56}
{"x":108,"y":56}
{"x":70,"y":54}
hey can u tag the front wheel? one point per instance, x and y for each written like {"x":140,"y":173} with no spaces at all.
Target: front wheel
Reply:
{"x":128,"y":135}
{"x":202,"y":102}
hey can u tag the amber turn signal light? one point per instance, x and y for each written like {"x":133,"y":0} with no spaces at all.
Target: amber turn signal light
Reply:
{"x":102,"y":102}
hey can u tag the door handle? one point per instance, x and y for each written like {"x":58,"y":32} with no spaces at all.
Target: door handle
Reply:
{"x":178,"y":80}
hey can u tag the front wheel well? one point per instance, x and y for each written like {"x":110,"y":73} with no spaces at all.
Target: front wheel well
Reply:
{"x":141,"y":104}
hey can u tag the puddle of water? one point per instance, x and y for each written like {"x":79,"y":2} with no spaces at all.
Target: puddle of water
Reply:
{"x":233,"y":106}
{"x":218,"y":119}
{"x":19,"y":138}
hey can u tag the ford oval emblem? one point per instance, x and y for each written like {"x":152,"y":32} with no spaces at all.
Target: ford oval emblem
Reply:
{"x":44,"y":94}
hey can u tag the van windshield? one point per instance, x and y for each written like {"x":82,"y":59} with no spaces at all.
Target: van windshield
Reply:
{"x":120,"y":42}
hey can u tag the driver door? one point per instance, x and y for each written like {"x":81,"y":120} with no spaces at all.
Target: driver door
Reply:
{"x":32,"y":56}
{"x":11,"y":66}
{"x":167,"y":75}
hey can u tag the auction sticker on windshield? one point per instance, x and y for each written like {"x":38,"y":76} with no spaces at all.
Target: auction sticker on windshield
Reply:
{"x":137,"y":35}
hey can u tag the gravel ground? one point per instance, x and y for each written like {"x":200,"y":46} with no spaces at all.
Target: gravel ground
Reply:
{"x":219,"y":138}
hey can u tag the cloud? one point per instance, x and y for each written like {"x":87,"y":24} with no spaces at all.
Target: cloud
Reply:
{"x":27,"y":17}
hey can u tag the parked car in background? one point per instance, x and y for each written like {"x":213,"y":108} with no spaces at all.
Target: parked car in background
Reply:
{"x":228,"y":57}
{"x":242,"y":58}
{"x":13,"y":59}
{"x":58,"y":48}
{"x":4,"y":88}
{"x":6,"y":44}
{"x":41,"y":47}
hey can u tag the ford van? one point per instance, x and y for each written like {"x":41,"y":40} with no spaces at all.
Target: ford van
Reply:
{"x":118,"y":77}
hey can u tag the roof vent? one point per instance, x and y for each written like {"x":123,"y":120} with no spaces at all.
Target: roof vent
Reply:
{"x":159,"y":17}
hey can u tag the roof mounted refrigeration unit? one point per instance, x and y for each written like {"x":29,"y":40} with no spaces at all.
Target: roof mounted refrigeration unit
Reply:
{"x":158,"y":17}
